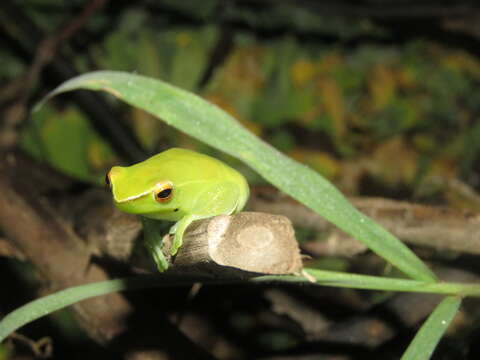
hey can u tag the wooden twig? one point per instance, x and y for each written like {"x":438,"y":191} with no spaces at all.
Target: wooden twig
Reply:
{"x":7,"y":250}
{"x":248,"y":242}
{"x":440,"y":228}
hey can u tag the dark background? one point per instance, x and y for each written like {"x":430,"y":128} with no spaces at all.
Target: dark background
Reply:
{"x":381,"y":97}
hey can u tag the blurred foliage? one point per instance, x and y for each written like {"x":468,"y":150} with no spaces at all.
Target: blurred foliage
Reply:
{"x":407,"y":104}
{"x":67,"y":141}
{"x":3,"y":352}
{"x":341,"y":95}
{"x":345,"y":110}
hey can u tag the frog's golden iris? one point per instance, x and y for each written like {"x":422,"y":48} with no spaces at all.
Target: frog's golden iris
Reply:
{"x":163,"y":193}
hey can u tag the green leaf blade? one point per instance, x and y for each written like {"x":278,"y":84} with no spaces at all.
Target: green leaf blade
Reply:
{"x":369,"y":282}
{"x":38,"y":308}
{"x":427,"y":338}
{"x":48,"y":304}
{"x":206,"y":122}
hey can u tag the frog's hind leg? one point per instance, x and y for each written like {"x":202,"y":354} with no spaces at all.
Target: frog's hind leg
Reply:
{"x":154,"y":242}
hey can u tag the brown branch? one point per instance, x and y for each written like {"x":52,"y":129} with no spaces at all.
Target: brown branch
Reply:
{"x":7,"y":250}
{"x":235,"y":245}
{"x":439,"y":228}
{"x":368,"y":328}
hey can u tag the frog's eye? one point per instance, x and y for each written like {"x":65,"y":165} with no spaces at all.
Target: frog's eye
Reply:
{"x":163,"y":193}
{"x":107,"y":180}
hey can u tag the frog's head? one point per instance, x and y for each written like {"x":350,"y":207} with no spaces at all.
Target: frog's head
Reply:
{"x":138,"y":190}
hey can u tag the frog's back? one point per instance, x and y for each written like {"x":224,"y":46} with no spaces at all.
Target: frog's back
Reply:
{"x":201,"y":167}
{"x":183,"y":165}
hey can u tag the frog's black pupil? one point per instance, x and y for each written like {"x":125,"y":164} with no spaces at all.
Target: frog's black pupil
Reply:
{"x":164,"y":193}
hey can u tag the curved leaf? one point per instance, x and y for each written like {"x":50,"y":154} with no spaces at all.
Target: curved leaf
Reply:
{"x":53,"y":302}
{"x":208,"y":123}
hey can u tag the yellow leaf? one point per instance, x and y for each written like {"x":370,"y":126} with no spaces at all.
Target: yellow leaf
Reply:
{"x":147,"y":129}
{"x":318,"y":160}
{"x":332,"y":100}
{"x":243,"y":72}
{"x":183,"y":39}
{"x":302,"y":72}
{"x":330,"y":62}
{"x":382,"y":86}
{"x":394,"y":162}
{"x":100,"y":157}
{"x":405,"y":78}
{"x":229,"y":108}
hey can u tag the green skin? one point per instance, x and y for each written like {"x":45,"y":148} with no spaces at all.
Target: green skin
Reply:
{"x":202,"y":187}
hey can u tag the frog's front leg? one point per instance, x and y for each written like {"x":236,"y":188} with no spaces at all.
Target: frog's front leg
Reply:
{"x":154,"y":242}
{"x":179,"y":229}
{"x":173,"y":228}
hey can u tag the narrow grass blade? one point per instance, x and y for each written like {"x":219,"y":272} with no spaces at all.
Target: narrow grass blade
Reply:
{"x":427,"y":338}
{"x":46,"y":305}
{"x":206,"y":122}
{"x":368,"y":282}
